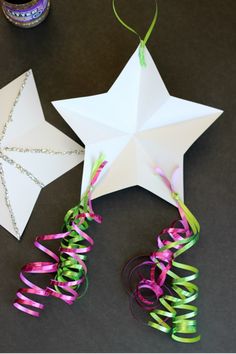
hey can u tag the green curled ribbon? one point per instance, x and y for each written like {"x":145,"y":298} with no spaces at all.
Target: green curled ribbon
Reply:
{"x":69,"y":266}
{"x":143,"y":42}
{"x":163,"y":287}
{"x":76,"y":244}
{"x":176,"y":306}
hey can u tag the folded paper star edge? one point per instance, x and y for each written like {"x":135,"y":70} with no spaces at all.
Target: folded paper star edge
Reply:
{"x":33,"y":153}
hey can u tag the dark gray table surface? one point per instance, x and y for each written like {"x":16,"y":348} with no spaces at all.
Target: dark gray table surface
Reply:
{"x":78,"y":51}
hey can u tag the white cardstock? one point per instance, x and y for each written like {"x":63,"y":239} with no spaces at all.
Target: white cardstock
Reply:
{"x":33,"y":153}
{"x":138,"y":126}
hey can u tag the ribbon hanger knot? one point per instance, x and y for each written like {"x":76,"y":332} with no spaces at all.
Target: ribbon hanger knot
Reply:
{"x":175,"y":196}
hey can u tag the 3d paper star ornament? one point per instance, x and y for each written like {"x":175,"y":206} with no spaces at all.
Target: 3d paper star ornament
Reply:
{"x":32,"y":152}
{"x":137,"y":125}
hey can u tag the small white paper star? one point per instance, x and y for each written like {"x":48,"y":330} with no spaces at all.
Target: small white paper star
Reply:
{"x":32,"y":152}
{"x":137,"y":125}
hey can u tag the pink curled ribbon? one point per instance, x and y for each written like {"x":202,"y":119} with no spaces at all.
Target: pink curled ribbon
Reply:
{"x":154,"y":284}
{"x":69,"y":266}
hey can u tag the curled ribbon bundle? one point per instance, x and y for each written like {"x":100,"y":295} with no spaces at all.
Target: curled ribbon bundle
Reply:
{"x":165,"y":295}
{"x":69,"y":266}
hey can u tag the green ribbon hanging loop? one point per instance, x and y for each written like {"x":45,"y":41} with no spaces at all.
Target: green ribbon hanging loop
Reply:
{"x":143,"y":42}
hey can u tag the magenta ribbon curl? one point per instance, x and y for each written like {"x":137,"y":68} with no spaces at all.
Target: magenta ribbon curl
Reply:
{"x":65,"y":290}
{"x":156,"y":288}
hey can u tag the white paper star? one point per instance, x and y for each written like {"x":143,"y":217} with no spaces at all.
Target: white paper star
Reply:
{"x":137,"y":125}
{"x":32,"y":152}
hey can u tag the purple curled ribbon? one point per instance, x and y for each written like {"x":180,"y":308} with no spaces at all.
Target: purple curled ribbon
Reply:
{"x":155,"y":286}
{"x":68,"y":266}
